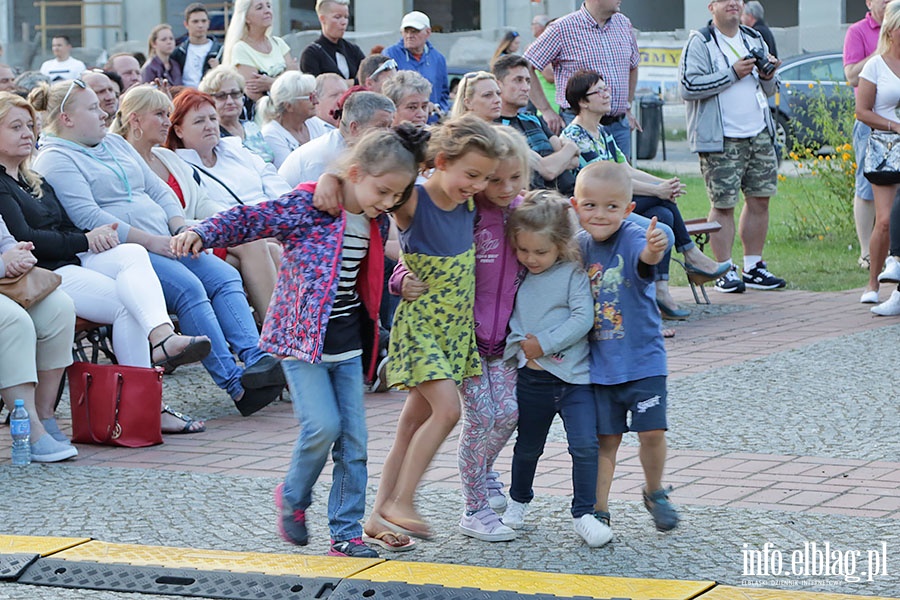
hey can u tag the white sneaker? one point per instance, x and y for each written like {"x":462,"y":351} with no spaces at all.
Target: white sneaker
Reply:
{"x":486,"y":526}
{"x":869,"y":297}
{"x":593,"y":532}
{"x":890,"y":308}
{"x":891,"y":273}
{"x":514,"y":517}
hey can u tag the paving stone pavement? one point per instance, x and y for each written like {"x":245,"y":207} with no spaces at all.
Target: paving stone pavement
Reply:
{"x":788,"y":442}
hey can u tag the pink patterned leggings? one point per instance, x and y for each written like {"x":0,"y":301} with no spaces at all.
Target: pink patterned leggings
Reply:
{"x":490,"y":417}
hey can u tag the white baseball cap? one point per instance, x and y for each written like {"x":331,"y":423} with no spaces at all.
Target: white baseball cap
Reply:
{"x":416,"y":20}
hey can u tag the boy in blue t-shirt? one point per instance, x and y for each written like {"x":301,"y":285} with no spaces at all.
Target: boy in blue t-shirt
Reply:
{"x":628,"y":358}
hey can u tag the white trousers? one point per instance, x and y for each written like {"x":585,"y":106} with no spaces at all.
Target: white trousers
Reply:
{"x":119,"y":286}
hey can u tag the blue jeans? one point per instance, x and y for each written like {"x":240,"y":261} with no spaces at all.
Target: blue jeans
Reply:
{"x":328,"y":404}
{"x":540,"y":396}
{"x":621,"y":132}
{"x":207,"y":295}
{"x":666,"y":212}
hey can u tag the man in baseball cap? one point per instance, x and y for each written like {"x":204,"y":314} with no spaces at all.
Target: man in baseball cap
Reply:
{"x":415,"y":53}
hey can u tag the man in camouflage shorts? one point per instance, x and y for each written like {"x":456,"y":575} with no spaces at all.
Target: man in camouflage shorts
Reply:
{"x":731,"y":127}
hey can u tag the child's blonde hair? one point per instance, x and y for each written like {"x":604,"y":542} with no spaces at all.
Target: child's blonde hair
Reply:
{"x":457,"y":137}
{"x":546,"y":212}
{"x":515,"y":147}
{"x":606,"y":175}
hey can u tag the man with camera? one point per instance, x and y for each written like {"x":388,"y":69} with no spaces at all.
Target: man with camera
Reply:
{"x":726,"y":75}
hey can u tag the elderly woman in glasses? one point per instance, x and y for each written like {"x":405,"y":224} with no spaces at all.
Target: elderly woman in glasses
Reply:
{"x":588,"y":96}
{"x":226,"y":86}
{"x":101,"y":180}
{"x":287,"y":112}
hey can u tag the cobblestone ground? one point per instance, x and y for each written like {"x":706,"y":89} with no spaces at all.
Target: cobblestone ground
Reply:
{"x":831,"y":403}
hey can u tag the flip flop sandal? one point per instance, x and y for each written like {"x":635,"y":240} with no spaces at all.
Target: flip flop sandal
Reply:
{"x":188,"y":422}
{"x":379,"y":540}
{"x":422,"y":534}
{"x":195,"y":351}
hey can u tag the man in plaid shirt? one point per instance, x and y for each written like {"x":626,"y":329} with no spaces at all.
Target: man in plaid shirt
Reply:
{"x":598,"y":37}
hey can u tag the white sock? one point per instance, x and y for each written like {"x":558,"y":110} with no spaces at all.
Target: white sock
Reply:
{"x":750,"y":262}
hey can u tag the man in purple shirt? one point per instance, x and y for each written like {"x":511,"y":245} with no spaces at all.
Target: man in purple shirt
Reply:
{"x":598,"y":37}
{"x":859,"y":47}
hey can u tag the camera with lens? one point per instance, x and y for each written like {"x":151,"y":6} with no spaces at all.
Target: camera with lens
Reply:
{"x":762,"y":61}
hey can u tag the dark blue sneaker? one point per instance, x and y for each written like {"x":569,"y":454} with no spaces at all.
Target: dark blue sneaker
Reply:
{"x":291,"y":523}
{"x":664,"y":514}
{"x":354,"y":548}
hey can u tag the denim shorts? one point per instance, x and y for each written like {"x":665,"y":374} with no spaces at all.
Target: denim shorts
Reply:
{"x":644,"y":398}
{"x":861,"y":133}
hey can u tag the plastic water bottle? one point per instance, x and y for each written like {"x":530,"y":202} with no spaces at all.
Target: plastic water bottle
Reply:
{"x":20,"y":428}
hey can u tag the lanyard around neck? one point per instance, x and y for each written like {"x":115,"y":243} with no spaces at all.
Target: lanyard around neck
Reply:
{"x":119,"y":170}
{"x":737,"y":54}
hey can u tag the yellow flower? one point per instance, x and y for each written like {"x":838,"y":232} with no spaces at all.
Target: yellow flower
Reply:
{"x":845,"y":156}
{"x":794,"y":156}
{"x":847,"y":147}
{"x":781,"y":177}
{"x":821,"y":237}
{"x":810,"y":86}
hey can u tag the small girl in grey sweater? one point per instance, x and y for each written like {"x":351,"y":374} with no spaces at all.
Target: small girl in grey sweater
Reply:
{"x":548,"y":337}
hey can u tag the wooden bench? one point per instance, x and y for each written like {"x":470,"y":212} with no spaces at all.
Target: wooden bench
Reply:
{"x":700,"y":229}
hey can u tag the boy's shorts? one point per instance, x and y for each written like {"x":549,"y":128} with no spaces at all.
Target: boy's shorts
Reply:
{"x":645,"y":399}
{"x":745,"y":165}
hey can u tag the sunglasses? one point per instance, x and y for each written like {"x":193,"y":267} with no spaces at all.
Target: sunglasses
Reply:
{"x":312,"y":97}
{"x":79,"y":83}
{"x":221,"y":96}
{"x":389,"y":64}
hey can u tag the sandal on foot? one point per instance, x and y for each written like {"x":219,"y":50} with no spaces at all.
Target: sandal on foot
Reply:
{"x":667,"y":332}
{"x":189,"y":423}
{"x":196,"y":350}
{"x":412,"y":527}
{"x":385,"y":539}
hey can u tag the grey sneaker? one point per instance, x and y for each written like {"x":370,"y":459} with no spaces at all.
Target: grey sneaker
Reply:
{"x":52,"y":427}
{"x":664,"y":514}
{"x":514,"y":517}
{"x":47,"y":450}
{"x":593,"y":532}
{"x":485,"y":525}
{"x":496,"y":498}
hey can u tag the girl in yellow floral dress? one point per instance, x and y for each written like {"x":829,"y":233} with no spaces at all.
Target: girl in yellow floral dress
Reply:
{"x":433,"y":337}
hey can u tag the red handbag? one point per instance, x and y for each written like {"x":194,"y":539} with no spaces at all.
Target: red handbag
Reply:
{"x":113,"y":405}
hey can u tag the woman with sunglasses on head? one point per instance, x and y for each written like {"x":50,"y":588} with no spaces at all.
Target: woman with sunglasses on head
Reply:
{"x":478,"y":93}
{"x":226,"y":86}
{"x":589,"y":98}
{"x":101,"y":180}
{"x":286,"y":114}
